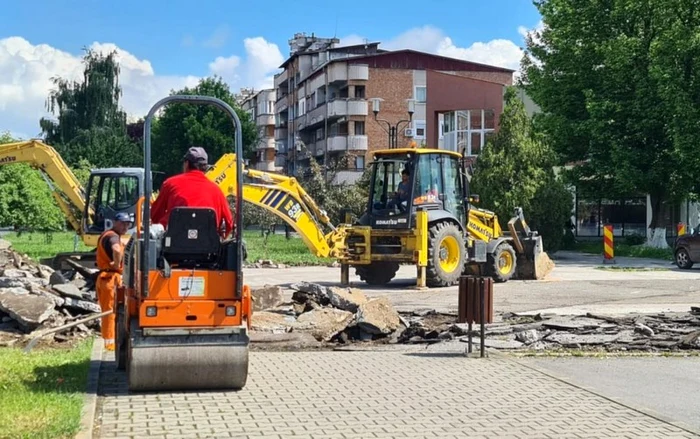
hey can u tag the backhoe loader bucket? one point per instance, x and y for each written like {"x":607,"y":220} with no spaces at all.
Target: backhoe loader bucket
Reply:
{"x":533,"y":262}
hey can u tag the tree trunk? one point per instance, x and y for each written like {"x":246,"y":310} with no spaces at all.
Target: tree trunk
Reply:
{"x":656,"y":233}
{"x":287,"y":232}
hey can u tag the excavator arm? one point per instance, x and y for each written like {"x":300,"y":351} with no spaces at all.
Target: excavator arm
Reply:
{"x":284,"y":197}
{"x":70,"y":195}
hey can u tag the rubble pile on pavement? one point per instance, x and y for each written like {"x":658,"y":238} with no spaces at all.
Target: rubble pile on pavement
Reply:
{"x":330,"y":314}
{"x":635,"y":332}
{"x":34,"y":298}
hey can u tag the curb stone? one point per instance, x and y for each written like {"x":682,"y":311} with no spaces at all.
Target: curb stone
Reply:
{"x":635,"y":407}
{"x":87,"y":418}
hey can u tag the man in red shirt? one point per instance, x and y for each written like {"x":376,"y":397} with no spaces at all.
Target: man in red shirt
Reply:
{"x":192,"y":189}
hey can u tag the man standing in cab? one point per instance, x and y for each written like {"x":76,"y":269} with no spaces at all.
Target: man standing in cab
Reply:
{"x":110,"y":262}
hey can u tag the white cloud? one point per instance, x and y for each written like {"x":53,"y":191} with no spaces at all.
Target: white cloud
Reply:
{"x":262,"y":62}
{"x":430,"y":39}
{"x":26,"y":71}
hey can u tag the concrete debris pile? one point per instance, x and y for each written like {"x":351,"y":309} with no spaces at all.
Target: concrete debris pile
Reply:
{"x":34,"y":298}
{"x":329,"y":314}
{"x":635,"y":332}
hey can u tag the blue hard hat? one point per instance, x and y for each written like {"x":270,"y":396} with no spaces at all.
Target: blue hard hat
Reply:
{"x":122,"y":216}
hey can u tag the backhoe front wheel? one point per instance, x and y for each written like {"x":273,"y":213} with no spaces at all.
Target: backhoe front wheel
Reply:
{"x":446,"y":255}
{"x":502,"y":263}
{"x":377,"y":273}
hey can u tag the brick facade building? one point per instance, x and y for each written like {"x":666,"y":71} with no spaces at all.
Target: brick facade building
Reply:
{"x":325,"y":96}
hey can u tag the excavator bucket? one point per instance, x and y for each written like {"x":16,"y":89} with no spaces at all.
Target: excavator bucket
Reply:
{"x":533,"y":262}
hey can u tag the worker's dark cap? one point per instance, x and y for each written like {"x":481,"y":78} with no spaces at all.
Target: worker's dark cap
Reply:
{"x":122,"y":216}
{"x":196,"y":154}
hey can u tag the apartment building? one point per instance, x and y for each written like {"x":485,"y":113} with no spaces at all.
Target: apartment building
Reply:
{"x":261,"y":106}
{"x":326,"y":96}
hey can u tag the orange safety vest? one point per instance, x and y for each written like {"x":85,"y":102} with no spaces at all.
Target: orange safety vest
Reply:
{"x":103,"y":259}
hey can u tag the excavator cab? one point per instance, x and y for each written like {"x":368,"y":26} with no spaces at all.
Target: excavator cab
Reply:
{"x":110,"y":191}
{"x":404,"y":180}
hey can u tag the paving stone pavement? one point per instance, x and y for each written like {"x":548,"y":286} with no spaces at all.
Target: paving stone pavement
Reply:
{"x":374,"y":394}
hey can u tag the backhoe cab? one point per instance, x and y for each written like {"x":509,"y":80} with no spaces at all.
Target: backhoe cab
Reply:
{"x":420,"y":212}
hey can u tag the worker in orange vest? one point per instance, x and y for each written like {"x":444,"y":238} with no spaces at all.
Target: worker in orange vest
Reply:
{"x":110,"y":262}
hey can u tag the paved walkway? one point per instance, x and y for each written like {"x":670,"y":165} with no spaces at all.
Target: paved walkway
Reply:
{"x":375,"y":394}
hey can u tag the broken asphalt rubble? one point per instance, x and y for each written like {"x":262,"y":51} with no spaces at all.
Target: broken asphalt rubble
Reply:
{"x":334,"y":315}
{"x":34,"y":298}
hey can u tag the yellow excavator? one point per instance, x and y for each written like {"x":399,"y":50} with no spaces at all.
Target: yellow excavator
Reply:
{"x":88,"y":211}
{"x":435,"y":226}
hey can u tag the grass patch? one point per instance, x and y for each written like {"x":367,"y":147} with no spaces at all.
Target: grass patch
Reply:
{"x":39,"y":245}
{"x":277,"y":248}
{"x":625,"y":250}
{"x":280,"y":250}
{"x":42,"y":392}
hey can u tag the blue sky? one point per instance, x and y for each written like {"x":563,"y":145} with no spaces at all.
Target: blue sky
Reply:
{"x":174,"y":45}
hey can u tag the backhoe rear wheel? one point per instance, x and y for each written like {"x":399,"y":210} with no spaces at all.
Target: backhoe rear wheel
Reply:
{"x":502,"y":263}
{"x":446,"y":255}
{"x":377,"y":273}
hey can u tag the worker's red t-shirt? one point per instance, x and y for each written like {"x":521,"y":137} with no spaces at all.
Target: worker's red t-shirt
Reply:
{"x":191,"y":189}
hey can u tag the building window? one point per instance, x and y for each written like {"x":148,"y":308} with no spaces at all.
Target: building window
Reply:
{"x":319,"y":134}
{"x":270,"y":107}
{"x":302,"y":106}
{"x":421,"y":94}
{"x":360,"y":162}
{"x":467,"y":131}
{"x":419,"y":129}
{"x":359,"y":128}
{"x":360,"y":91}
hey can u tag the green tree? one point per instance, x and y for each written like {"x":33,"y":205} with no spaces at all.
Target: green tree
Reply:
{"x":25,"y":198}
{"x":89,"y":123}
{"x":516,"y":170}
{"x":335,"y":198}
{"x":185,"y":125}
{"x":617,"y":83}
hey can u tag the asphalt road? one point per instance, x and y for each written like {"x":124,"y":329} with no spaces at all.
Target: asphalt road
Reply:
{"x":576,"y":285}
{"x":667,"y":386}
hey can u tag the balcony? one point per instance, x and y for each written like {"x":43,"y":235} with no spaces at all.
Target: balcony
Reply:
{"x":347,"y":107}
{"x":358,"y":72}
{"x":266,"y":165}
{"x":265,"y":119}
{"x":281,"y":78}
{"x":339,"y":72}
{"x":266,"y":143}
{"x":282,"y":103}
{"x":347,"y":143}
{"x":281,"y":133}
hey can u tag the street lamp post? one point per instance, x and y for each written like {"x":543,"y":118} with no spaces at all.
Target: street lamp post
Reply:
{"x":393,"y":130}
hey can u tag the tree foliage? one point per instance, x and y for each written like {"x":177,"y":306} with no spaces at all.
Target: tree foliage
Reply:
{"x":333,"y":196}
{"x":516,"y":170}
{"x":89,"y":123}
{"x":184,"y":125}
{"x":618,"y":86}
{"x":25,"y":198}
